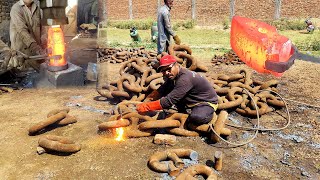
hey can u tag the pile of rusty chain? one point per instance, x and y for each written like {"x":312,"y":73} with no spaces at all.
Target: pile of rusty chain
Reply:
{"x":231,"y":94}
{"x":58,"y":144}
{"x":137,"y":125}
{"x":138,"y":74}
{"x":55,"y":118}
{"x":138,"y":78}
{"x":170,"y":162}
{"x":234,"y":93}
{"x":183,"y":55}
{"x":229,"y":58}
{"x":119,"y":55}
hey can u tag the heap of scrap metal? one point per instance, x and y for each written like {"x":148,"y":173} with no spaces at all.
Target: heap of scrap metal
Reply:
{"x":137,"y":125}
{"x":138,"y":71}
{"x":229,"y":58}
{"x":183,"y":55}
{"x":138,"y":78}
{"x":181,"y":52}
{"x":234,"y":92}
{"x":171,"y":162}
{"x":119,"y":55}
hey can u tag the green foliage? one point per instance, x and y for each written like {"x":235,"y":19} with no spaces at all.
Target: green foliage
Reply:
{"x":310,"y":44}
{"x":146,"y":24}
{"x":187,"y":24}
{"x":143,"y":24}
{"x":205,"y":42}
{"x":147,"y":45}
{"x":287,"y":24}
{"x":226,"y":23}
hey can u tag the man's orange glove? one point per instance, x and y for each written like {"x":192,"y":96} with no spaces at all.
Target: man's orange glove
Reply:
{"x":149,"y":106}
{"x":154,"y":95}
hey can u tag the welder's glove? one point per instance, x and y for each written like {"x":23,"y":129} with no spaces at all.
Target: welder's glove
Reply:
{"x":148,"y":106}
{"x":177,"y":39}
{"x":154,"y":95}
{"x":36,"y":49}
{"x":16,"y":61}
{"x":10,"y":59}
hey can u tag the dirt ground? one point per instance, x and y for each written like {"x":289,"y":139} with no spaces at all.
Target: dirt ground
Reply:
{"x":292,"y":153}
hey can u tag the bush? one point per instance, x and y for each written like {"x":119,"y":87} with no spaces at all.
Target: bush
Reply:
{"x":286,"y":24}
{"x":187,"y":24}
{"x":311,"y":44}
{"x":226,"y":24}
{"x":146,"y":24}
{"x":127,"y":24}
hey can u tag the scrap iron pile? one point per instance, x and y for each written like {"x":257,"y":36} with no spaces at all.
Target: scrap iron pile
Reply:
{"x":139,"y":78}
{"x":137,"y":125}
{"x":231,"y":93}
{"x":229,"y":58}
{"x":119,"y":55}
{"x":138,"y":72}
{"x":231,"y":96}
{"x":172,"y":162}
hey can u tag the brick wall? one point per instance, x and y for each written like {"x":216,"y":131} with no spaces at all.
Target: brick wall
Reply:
{"x":299,"y":8}
{"x":143,"y":9}
{"x":209,"y":12}
{"x":118,"y":9}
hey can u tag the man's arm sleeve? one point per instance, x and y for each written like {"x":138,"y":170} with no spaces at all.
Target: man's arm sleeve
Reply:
{"x":180,"y":90}
{"x":22,"y":29}
{"x":167,"y":24}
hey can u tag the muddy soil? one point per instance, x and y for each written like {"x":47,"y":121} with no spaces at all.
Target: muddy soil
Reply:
{"x":292,"y":153}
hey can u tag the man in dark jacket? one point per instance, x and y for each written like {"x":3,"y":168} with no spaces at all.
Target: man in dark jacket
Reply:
{"x":184,"y":89}
{"x":165,"y":28}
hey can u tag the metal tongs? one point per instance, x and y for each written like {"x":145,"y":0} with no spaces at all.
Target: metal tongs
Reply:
{"x":281,"y":67}
{"x":39,"y":57}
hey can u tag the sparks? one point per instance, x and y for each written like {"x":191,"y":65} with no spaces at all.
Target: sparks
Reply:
{"x":120,"y":134}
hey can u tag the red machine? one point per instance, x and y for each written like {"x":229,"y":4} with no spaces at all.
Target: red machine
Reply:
{"x":260,"y":46}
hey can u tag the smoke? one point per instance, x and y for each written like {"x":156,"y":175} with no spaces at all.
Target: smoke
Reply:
{"x":71,"y":4}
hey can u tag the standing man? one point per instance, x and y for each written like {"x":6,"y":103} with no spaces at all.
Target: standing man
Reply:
{"x":186,"y":90}
{"x":164,"y":27}
{"x":25,"y":29}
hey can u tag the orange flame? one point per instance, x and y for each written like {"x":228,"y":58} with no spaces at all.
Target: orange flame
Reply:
{"x":56,"y":46}
{"x":120,"y":134}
